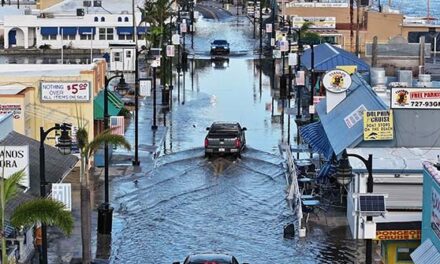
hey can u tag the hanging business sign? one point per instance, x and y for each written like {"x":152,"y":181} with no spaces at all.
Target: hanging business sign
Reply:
{"x":415,"y":98}
{"x":268,"y":28}
{"x":175,"y":39}
{"x":145,"y":87}
{"x":415,"y":234}
{"x":293,"y":59}
{"x":65,"y":91}
{"x":14,"y":159}
{"x":284,"y":45}
{"x":378,"y":125}
{"x":435,"y":213}
{"x":337,"y":81}
{"x":170,"y":50}
{"x":14,"y":108}
{"x":183,"y":28}
{"x":300,"y":78}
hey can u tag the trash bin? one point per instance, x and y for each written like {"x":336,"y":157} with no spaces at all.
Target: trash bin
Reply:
{"x":166,"y":95}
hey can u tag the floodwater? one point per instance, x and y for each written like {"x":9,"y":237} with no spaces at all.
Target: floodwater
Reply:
{"x":188,"y":204}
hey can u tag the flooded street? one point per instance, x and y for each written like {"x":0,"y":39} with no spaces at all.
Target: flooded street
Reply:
{"x":189,"y":204}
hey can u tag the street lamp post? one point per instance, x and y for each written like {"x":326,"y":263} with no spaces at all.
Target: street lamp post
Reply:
{"x":154,"y":126}
{"x":345,"y":173}
{"x":64,"y":146}
{"x":105,"y":211}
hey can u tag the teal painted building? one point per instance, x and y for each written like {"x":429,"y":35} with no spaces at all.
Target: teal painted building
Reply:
{"x":428,"y":251}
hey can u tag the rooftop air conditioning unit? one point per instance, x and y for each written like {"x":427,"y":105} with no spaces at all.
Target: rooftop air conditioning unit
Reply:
{"x":97,"y":3}
{"x":87,"y":3}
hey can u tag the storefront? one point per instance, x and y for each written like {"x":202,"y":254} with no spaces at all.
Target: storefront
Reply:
{"x":398,"y":241}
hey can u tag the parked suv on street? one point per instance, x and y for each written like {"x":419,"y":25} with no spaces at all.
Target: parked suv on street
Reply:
{"x":219,"y":47}
{"x":225,"y":138}
{"x":210,"y":258}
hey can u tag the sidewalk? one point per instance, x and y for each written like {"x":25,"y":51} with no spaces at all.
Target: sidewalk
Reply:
{"x":63,"y":249}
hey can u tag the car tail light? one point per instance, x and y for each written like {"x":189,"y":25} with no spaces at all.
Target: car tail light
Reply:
{"x":206,"y":142}
{"x":237,"y":143}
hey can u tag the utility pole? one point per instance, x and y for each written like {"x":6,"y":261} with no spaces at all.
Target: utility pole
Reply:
{"x":358,"y":2}
{"x":351,"y":25}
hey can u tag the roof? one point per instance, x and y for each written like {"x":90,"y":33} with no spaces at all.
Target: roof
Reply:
{"x":115,"y":105}
{"x":12,"y":89}
{"x":49,"y":69}
{"x":57,"y":165}
{"x":340,"y":135}
{"x":108,"y":7}
{"x":328,"y":57}
{"x":394,"y":159}
{"x":426,"y":253}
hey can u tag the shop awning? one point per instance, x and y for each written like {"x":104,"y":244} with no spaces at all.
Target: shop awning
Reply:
{"x":141,"y":30}
{"x":114,"y":105}
{"x":46,"y":31}
{"x":426,"y":253}
{"x":314,"y":134}
{"x":124,"y":30}
{"x":71,"y":31}
{"x":86,"y":30}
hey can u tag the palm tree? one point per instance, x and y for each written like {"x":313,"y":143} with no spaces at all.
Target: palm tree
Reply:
{"x":87,"y":150}
{"x":27,"y":214}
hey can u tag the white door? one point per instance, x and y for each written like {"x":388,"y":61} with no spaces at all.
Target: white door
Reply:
{"x":129,"y":60}
{"x":116,"y":60}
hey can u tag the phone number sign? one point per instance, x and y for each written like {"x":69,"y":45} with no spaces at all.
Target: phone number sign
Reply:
{"x":415,"y":98}
{"x":65,"y":91}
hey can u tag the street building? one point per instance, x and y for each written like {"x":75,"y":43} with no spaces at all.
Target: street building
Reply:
{"x":21,"y":242}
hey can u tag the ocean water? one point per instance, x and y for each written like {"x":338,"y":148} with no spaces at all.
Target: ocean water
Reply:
{"x":415,"y":7}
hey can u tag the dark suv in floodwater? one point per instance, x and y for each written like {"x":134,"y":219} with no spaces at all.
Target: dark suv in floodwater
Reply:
{"x":213,"y":258}
{"x":219,"y":47}
{"x":225,"y":138}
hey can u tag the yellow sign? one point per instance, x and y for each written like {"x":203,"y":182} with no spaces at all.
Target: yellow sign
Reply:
{"x":350,"y":69}
{"x":378,"y":125}
{"x":398,"y":234}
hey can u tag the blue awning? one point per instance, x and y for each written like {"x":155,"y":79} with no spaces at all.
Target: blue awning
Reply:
{"x":86,"y":30}
{"x":46,"y":31}
{"x":124,"y":30}
{"x":141,"y":30}
{"x":68,"y":31}
{"x":314,"y":135}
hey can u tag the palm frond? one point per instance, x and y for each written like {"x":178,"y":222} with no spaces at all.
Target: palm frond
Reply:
{"x":11,"y":184}
{"x":106,"y":137}
{"x":44,"y":210}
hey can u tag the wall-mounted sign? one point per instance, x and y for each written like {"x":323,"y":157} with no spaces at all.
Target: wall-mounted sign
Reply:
{"x":300,"y":78}
{"x":337,"y":81}
{"x":398,"y":234}
{"x":14,"y":159}
{"x":65,"y":91}
{"x":307,"y":4}
{"x":415,"y":98}
{"x":378,"y":125}
{"x":435,"y":214}
{"x":63,"y":192}
{"x":14,"y":108}
{"x":354,"y":117}
{"x":317,"y":22}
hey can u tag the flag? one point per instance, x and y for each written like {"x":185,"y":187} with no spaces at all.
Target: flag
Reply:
{"x":117,"y":125}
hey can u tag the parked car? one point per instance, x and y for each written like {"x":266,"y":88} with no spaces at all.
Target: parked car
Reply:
{"x":225,"y":138}
{"x":219,"y":47}
{"x":211,"y":258}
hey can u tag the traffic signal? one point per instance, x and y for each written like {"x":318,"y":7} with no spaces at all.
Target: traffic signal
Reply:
{"x":283,"y":87}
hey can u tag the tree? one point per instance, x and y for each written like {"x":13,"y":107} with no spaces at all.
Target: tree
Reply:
{"x":87,"y":150}
{"x":27,"y":214}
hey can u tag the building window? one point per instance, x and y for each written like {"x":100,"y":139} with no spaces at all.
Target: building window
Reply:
{"x":102,"y":19}
{"x":87,"y":37}
{"x":126,"y":19}
{"x":117,"y":56}
{"x":128,"y":54}
{"x":106,"y":33}
{"x":96,"y":19}
{"x":49,"y":37}
{"x":125,"y":37}
{"x":403,"y":254}
{"x":69,"y":37}
{"x":119,"y":19}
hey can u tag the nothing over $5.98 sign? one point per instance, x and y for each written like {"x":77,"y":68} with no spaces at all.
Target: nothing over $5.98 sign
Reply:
{"x":65,"y":91}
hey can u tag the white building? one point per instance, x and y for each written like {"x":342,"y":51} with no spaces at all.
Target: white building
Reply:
{"x":71,"y":24}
